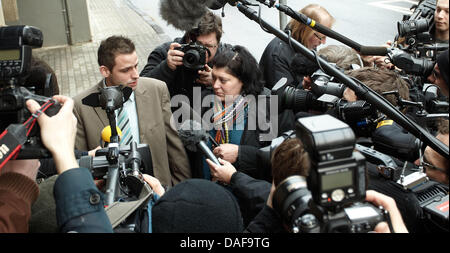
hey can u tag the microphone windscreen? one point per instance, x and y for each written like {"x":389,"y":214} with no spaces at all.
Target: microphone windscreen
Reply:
{"x":92,"y":100}
{"x":380,"y":51}
{"x":184,"y":14}
{"x":106,"y":133}
{"x":191,"y":133}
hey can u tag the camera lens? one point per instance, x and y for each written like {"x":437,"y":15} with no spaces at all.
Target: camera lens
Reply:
{"x":191,"y":59}
{"x":291,"y":198}
{"x":412,"y":27}
{"x":300,"y":100}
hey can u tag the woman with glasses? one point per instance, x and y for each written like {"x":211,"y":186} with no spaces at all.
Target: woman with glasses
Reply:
{"x":280,"y":60}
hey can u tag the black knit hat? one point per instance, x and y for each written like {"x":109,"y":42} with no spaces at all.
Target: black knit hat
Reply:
{"x":442,"y":62}
{"x":197,"y":206}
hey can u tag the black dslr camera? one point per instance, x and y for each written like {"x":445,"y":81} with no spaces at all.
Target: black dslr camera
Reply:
{"x":323,"y":83}
{"x":194,"y":55}
{"x":336,"y":183}
{"x":16,"y":43}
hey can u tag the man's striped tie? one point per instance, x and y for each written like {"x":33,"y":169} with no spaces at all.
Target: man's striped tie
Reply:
{"x":124,"y":125}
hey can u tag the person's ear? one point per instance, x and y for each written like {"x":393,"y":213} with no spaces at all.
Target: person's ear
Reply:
{"x":105,"y":71}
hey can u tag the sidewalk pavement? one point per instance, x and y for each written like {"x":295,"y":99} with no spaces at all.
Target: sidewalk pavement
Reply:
{"x":76,"y":66}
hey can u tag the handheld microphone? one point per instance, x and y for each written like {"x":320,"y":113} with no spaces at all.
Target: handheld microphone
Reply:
{"x":193,"y":137}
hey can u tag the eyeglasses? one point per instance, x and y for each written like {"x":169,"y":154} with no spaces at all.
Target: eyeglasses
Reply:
{"x":209,"y":46}
{"x":320,"y":38}
{"x":424,"y":162}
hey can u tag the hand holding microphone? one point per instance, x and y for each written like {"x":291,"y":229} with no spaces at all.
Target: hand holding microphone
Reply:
{"x":222,"y":173}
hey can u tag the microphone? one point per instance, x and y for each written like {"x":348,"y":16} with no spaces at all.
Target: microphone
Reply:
{"x":184,"y":14}
{"x":106,"y":133}
{"x":113,"y":96}
{"x":366,"y":50}
{"x":193,"y":137}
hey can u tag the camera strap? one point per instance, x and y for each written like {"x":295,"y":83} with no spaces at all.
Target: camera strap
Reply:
{"x":15,"y":135}
{"x":11,"y":141}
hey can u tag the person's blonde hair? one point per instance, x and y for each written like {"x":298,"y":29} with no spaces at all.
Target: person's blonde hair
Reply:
{"x":300,"y":31}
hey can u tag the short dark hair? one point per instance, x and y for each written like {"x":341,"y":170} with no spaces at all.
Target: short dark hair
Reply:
{"x":38,"y":75}
{"x":111,"y":47}
{"x":208,"y":24}
{"x":240,"y":63}
{"x":290,"y":159}
{"x":382,"y":80}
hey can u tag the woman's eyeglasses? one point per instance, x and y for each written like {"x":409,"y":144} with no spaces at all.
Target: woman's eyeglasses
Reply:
{"x":318,"y":37}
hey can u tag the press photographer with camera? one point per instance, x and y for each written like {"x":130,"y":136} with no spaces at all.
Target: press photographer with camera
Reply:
{"x":185,"y":62}
{"x":436,"y":166}
{"x":440,"y":75}
{"x":289,"y":159}
{"x":58,"y":135}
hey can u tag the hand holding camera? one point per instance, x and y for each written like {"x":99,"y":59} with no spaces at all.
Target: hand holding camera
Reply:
{"x":205,"y":76}
{"x":389,"y":205}
{"x":174,"y":56}
{"x":58,"y":132}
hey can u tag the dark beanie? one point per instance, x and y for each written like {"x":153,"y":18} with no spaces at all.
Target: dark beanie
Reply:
{"x":442,"y":62}
{"x":197,"y":206}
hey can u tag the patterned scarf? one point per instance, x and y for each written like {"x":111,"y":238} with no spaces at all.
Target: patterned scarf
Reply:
{"x":225,"y":118}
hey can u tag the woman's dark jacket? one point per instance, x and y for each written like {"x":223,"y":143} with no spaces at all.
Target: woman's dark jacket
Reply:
{"x":280,"y":60}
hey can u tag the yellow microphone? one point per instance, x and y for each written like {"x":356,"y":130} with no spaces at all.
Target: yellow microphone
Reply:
{"x":106,"y":133}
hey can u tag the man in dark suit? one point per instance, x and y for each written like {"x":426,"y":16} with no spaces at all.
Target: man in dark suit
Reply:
{"x":148,"y":112}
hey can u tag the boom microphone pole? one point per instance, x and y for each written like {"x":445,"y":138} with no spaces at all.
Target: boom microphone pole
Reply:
{"x":361,"y":90}
{"x":365,"y":50}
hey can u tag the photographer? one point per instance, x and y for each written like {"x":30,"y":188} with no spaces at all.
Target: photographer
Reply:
{"x":289,"y":159}
{"x":440,"y":75}
{"x":58,"y":135}
{"x":165,"y":63}
{"x":436,"y":166}
{"x":280,"y":60}
{"x":441,"y":21}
